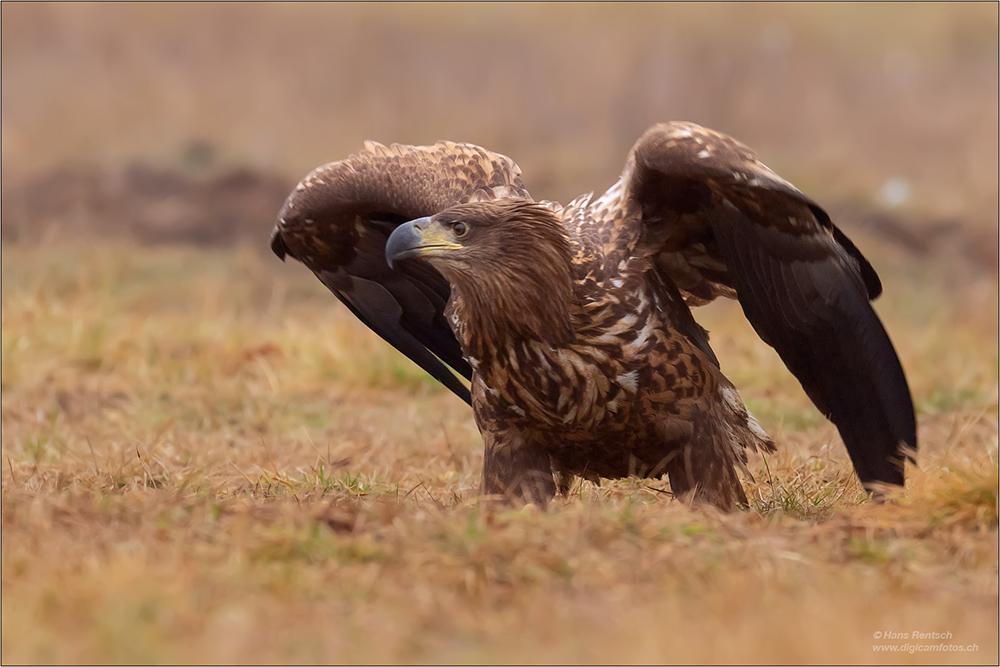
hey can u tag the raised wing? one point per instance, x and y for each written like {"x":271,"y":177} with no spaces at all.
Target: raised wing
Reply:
{"x":720,"y":223}
{"x":337,"y":221}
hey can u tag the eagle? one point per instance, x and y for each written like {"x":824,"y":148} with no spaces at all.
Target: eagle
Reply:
{"x":572,"y":324}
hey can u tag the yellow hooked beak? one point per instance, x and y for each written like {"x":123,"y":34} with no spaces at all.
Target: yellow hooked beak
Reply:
{"x":418,"y":238}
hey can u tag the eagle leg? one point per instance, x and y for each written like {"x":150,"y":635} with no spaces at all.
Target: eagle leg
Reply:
{"x":564,"y":478}
{"x":703,"y":469}
{"x":516,"y":470}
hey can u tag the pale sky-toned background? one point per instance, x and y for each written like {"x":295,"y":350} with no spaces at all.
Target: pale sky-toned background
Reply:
{"x":842,"y":99}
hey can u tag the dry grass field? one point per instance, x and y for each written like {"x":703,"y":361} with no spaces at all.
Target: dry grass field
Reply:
{"x":205,"y":458}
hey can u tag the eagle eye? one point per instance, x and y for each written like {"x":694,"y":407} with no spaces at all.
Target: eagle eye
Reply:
{"x":459,"y":229}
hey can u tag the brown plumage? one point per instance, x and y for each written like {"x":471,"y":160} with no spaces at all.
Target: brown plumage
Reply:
{"x":573,"y":323}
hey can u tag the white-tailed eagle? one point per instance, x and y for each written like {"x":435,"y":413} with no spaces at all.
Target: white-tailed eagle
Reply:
{"x":573,"y":322}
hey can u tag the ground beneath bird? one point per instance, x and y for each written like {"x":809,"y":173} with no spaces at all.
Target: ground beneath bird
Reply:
{"x":206,"y":458}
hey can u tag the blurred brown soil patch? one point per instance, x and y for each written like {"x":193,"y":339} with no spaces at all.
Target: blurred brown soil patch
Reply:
{"x":153,"y":205}
{"x":145,"y":204}
{"x":925,"y":236}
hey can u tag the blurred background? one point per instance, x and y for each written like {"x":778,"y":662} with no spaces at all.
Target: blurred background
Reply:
{"x":197,"y":439}
{"x":191,"y":121}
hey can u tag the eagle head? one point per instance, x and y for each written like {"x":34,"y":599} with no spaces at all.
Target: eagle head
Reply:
{"x":509,"y":259}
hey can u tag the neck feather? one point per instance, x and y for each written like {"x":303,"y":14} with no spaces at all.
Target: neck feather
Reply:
{"x":521,"y":288}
